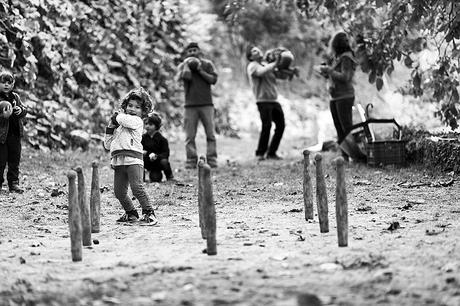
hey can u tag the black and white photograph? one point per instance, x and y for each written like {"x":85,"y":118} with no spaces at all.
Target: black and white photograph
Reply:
{"x":229,"y":152}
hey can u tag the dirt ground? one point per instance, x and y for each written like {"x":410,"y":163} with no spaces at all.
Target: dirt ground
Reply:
{"x":404,"y":237}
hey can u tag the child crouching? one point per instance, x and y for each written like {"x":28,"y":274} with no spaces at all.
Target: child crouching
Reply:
{"x":156,"y":150}
{"x":123,"y":139}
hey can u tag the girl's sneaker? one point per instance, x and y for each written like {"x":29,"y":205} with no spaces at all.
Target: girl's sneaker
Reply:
{"x":129,"y":216}
{"x":148,"y":218}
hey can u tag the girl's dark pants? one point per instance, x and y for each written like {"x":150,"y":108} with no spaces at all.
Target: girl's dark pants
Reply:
{"x":270,"y":112}
{"x":155,"y":168}
{"x":10,"y":153}
{"x":130,"y":176}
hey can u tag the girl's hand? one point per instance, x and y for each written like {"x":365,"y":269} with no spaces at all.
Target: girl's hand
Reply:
{"x":17,"y":110}
{"x":113,"y":120}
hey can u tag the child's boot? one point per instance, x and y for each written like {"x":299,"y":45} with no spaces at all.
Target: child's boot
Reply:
{"x":148,"y":217}
{"x":129,"y":216}
{"x":14,"y":187}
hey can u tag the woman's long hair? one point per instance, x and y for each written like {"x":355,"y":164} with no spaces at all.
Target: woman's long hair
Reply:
{"x":340,"y":44}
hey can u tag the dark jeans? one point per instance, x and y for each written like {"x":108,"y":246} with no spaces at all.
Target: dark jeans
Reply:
{"x":130,"y":175}
{"x":192,"y":116}
{"x":341,"y":111}
{"x":270,"y":112}
{"x":155,"y":168}
{"x":10,"y":153}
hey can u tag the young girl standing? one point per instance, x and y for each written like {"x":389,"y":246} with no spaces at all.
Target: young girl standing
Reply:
{"x":123,"y":138}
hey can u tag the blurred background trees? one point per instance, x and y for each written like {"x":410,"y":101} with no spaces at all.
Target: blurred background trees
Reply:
{"x":391,"y":31}
{"x":75,"y":59}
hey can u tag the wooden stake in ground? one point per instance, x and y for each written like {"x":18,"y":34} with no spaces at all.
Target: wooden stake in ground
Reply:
{"x":209,"y":211}
{"x":308,"y":299}
{"x":201,"y":163}
{"x":307,"y":187}
{"x":84,"y":209}
{"x":74,"y":219}
{"x":95,"y":200}
{"x":321,"y":195}
{"x":341,"y":205}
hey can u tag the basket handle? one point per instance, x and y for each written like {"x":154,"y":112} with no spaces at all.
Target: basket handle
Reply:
{"x":374,"y":120}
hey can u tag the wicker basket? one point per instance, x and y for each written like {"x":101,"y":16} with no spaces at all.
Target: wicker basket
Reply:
{"x":386,"y":152}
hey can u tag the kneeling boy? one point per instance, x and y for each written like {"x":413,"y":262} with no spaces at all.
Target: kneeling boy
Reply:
{"x":156,"y":150}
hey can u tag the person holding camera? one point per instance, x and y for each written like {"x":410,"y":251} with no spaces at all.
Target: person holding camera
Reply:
{"x":263,"y":82}
{"x":198,"y":74}
{"x":340,"y":72}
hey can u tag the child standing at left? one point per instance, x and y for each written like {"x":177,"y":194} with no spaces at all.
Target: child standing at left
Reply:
{"x":123,"y":138}
{"x":11,"y":131}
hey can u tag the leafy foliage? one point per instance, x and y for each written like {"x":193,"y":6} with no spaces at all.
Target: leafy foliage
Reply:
{"x":393,"y":30}
{"x":437,"y":152}
{"x":75,"y":59}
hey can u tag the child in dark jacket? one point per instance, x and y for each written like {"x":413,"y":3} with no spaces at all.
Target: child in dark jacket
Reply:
{"x":156,"y":150}
{"x":11,"y":131}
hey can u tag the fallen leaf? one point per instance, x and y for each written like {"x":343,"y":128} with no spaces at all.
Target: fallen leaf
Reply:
{"x":432,"y":232}
{"x":279,"y":257}
{"x":362,"y":183}
{"x":416,"y":201}
{"x":394,"y":226}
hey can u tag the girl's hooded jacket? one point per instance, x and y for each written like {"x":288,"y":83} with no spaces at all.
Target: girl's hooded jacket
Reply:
{"x":126,"y":139}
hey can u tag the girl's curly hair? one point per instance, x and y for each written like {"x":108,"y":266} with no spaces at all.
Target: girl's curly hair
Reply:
{"x":138,"y":94}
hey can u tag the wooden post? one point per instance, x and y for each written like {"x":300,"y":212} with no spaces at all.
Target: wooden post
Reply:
{"x":341,"y":205}
{"x":321,"y":195}
{"x":209,"y":211}
{"x":74,"y":219}
{"x":307,"y":187}
{"x":308,"y":299}
{"x":95,"y":200}
{"x":84,"y":209}
{"x":201,"y":163}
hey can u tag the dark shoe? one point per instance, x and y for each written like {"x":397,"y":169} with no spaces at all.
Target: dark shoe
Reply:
{"x":190,"y":165}
{"x":129,"y":216}
{"x":155,"y":178}
{"x":274,"y":157}
{"x":15,"y":188}
{"x":260,"y":157}
{"x":148,"y":218}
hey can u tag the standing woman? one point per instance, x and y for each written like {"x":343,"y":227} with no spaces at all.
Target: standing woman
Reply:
{"x":340,"y":73}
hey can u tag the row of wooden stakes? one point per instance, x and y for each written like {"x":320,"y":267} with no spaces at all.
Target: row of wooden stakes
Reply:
{"x":341,"y":205}
{"x":84,"y":219}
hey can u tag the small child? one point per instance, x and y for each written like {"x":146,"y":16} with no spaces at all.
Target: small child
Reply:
{"x":11,"y":131}
{"x":156,"y":150}
{"x":123,"y":137}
